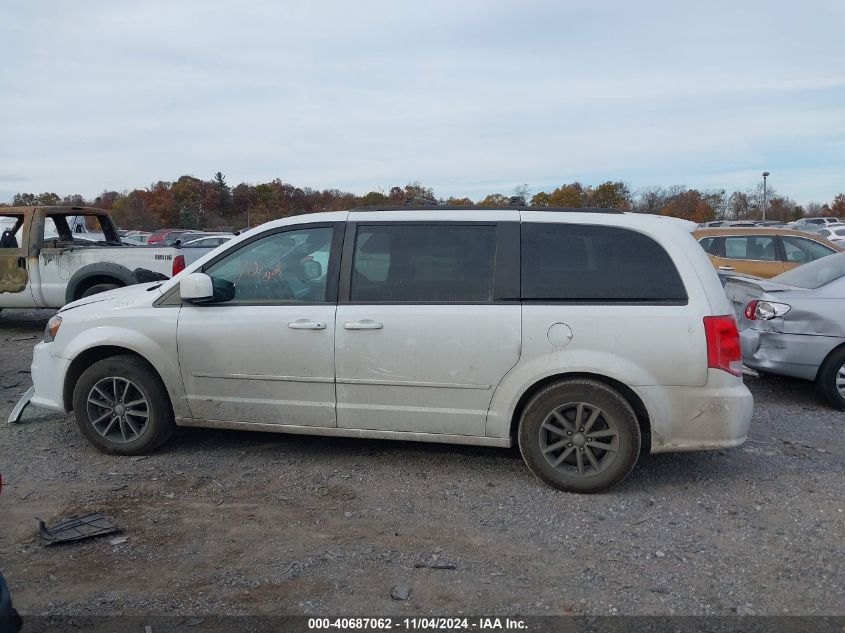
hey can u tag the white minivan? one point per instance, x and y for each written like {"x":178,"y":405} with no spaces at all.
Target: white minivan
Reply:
{"x":587,"y":336}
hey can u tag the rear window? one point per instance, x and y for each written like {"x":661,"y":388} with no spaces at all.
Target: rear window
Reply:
{"x":815,"y":274}
{"x":579,"y":262}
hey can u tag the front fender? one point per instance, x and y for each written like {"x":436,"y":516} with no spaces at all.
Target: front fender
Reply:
{"x":157,"y":345}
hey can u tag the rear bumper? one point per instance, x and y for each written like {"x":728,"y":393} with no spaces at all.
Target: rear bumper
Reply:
{"x":48,"y":378}
{"x":714,"y":416}
{"x":797,"y":355}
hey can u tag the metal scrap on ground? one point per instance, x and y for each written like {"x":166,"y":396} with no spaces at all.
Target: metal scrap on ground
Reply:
{"x":77,"y":529}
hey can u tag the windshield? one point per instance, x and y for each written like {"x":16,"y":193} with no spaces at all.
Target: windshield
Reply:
{"x":815,"y":274}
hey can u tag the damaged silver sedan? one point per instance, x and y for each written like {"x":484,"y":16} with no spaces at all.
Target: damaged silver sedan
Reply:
{"x":794,"y":324}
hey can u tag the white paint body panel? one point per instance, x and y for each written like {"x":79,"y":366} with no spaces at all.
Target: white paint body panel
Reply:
{"x":429,"y":369}
{"x":244,"y":364}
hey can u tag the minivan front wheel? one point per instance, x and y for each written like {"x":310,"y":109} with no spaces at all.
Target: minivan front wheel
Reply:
{"x":122,"y":407}
{"x":579,"y":435}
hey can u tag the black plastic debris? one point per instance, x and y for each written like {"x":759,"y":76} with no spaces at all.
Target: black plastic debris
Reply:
{"x":77,"y":529}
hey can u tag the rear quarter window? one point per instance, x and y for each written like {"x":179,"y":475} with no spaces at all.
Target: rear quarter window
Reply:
{"x":590,"y":263}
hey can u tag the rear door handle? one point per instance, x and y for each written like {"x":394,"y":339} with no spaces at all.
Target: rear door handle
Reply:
{"x":726,"y":268}
{"x":305,"y":324}
{"x":21,"y":262}
{"x":366,"y":324}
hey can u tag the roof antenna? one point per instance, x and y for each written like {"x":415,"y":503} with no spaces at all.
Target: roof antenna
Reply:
{"x":424,"y":202}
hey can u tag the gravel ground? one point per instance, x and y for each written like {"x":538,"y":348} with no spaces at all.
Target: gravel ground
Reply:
{"x":248,"y":523}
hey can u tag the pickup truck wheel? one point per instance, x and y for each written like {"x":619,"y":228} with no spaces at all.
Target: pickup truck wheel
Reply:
{"x":97,"y":289}
{"x":122,"y":407}
{"x":831,"y":379}
{"x":579,"y":435}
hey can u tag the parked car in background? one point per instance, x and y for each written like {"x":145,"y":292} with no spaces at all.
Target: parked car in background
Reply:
{"x":759,"y":251}
{"x":208,"y":241}
{"x":814,"y":224}
{"x":159,"y":235}
{"x":437,"y":324}
{"x":138,"y":236}
{"x":834,"y":233}
{"x":794,"y":324}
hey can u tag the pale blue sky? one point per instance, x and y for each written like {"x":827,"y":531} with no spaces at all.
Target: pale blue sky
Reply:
{"x":468,"y":97}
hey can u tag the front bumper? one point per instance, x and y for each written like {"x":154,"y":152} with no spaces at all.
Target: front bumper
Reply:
{"x":714,"y":416}
{"x":48,"y":378}
{"x":797,"y":355}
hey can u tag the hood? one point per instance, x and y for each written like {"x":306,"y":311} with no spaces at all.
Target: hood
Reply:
{"x":128,"y":295}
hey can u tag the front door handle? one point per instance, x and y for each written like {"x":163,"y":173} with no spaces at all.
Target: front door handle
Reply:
{"x":305,"y":324}
{"x":366,"y":324}
{"x":726,"y":268}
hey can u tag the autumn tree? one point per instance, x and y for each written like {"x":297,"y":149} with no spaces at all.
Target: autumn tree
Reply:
{"x":690,"y":205}
{"x":609,"y":195}
{"x":495,"y":200}
{"x":374,"y":198}
{"x":459,"y":202}
{"x":838,"y":206}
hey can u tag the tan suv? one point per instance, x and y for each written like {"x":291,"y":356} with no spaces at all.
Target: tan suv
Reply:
{"x":760,"y":251}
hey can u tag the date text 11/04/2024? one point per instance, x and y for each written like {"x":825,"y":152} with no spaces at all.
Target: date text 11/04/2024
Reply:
{"x":418,"y":623}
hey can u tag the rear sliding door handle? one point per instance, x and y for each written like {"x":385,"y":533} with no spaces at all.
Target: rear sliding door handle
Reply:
{"x":366,"y":324}
{"x":305,"y":324}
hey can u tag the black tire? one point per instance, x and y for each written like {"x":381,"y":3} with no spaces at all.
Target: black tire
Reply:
{"x":97,"y":289}
{"x":828,"y":375}
{"x":609,"y":421}
{"x":131,"y":432}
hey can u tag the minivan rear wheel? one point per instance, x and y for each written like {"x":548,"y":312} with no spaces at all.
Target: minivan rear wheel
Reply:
{"x":122,"y":407}
{"x":579,"y":435}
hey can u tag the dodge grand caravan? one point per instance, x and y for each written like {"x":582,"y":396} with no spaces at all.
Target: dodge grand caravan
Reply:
{"x":585,"y":336}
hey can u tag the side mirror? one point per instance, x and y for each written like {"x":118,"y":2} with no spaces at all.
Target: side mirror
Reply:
{"x":196,"y":287}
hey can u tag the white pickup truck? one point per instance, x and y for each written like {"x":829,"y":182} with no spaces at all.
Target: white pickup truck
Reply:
{"x":48,"y":259}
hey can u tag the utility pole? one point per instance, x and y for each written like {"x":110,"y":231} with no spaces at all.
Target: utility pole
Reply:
{"x":765,"y":200}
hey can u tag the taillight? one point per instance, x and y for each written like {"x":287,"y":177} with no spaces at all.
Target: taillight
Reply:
{"x":751,"y":310}
{"x":765,"y":310}
{"x":723,"y":349}
{"x":178,"y":265}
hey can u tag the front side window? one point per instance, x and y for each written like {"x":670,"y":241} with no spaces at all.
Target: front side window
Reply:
{"x":800,"y":250}
{"x":286,"y":267}
{"x":580,"y":262}
{"x":756,"y":247}
{"x":419,"y":263}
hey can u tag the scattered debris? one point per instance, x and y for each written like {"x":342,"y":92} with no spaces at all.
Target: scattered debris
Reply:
{"x":22,"y":338}
{"x":77,"y":528}
{"x":812,"y":448}
{"x":119,"y":540}
{"x":23,"y":403}
{"x":217,"y":483}
{"x":435,"y":564}
{"x":400,"y":592}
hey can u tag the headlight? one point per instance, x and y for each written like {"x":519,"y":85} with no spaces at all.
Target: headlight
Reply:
{"x":765,"y":310}
{"x":52,"y":328}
